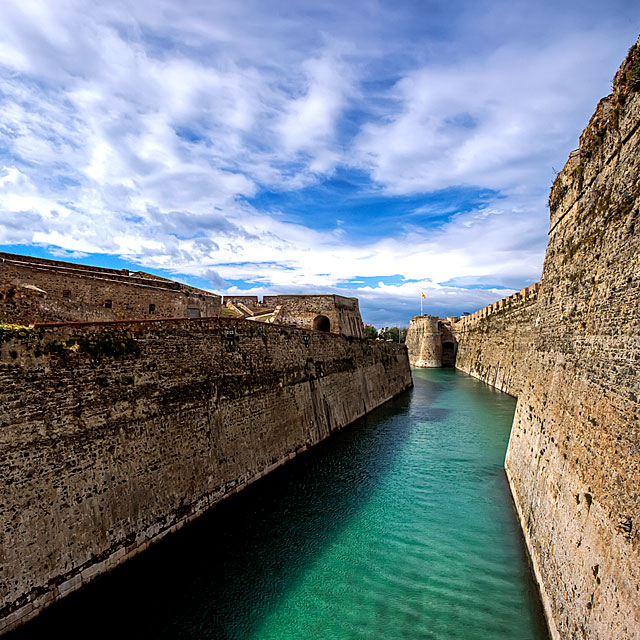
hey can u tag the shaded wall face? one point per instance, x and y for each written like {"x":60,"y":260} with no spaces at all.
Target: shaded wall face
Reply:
{"x":145,"y":425}
{"x":45,"y":294}
{"x":578,"y":492}
{"x":572,"y":358}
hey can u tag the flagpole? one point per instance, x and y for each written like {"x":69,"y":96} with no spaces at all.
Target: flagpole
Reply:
{"x":420,"y":304}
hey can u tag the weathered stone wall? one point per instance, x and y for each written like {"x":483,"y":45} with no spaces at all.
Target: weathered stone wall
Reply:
{"x":114,"y":434}
{"x":424,"y":342}
{"x":23,"y":304}
{"x":39,"y":290}
{"x":430,"y":341}
{"x":573,"y":359}
{"x":301,"y":311}
{"x":495,"y":344}
{"x":250,"y":301}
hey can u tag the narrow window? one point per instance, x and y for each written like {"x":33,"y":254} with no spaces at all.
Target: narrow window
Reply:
{"x":66,"y":293}
{"x":152,"y":308}
{"x":108,"y":304}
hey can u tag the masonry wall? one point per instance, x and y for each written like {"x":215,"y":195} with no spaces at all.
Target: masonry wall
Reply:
{"x":573,"y":360}
{"x":114,"y":434}
{"x":300,"y":311}
{"x":496,"y":344}
{"x":251,"y":301}
{"x":424,"y":342}
{"x":38,"y":290}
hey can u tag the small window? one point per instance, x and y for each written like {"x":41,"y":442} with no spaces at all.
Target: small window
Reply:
{"x":322,"y":323}
{"x":152,"y":308}
{"x":66,"y":293}
{"x":193,"y":312}
{"x":108,"y":304}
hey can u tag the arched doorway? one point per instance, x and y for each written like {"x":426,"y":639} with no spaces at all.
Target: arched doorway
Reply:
{"x":322,"y":323}
{"x":448,"y":354}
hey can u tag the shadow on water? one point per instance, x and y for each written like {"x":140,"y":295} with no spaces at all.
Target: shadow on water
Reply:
{"x":252,"y":548}
{"x":398,"y":527}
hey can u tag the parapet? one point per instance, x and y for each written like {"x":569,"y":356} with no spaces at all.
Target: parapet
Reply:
{"x":40,"y":290}
{"x":524,"y":297}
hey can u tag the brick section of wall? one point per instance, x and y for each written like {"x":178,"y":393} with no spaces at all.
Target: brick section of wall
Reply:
{"x":573,"y":460}
{"x":38,"y":290}
{"x":114,"y":434}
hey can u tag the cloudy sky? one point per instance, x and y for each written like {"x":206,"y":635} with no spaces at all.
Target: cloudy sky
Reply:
{"x":364,"y":147}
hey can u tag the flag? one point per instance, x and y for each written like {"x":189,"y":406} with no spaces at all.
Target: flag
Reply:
{"x":422,"y":294}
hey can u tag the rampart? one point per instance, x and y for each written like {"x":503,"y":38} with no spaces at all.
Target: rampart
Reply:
{"x":495,"y":344}
{"x":39,"y":290}
{"x":114,"y":434}
{"x":333,"y":313}
{"x":430,"y":342}
{"x":250,"y":301}
{"x":571,"y":355}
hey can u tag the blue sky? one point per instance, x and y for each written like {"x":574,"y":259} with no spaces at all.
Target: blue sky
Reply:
{"x":369,"y":148}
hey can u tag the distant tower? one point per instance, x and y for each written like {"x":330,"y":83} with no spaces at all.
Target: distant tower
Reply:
{"x":430,"y":343}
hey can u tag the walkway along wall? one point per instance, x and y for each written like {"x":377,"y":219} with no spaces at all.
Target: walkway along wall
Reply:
{"x":114,"y":434}
{"x":572,"y":357}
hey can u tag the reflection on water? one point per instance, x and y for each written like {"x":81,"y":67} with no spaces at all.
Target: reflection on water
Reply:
{"x":399,"y":527}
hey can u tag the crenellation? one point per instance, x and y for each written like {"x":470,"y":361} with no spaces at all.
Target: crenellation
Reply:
{"x":569,"y":349}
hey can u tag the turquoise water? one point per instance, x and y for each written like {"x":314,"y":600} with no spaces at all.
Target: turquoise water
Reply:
{"x":399,"y":527}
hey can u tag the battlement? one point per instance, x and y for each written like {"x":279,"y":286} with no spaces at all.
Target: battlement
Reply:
{"x":524,"y":297}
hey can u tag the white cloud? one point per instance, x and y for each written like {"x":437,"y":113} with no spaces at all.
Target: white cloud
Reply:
{"x":141,"y":129}
{"x":497,"y":121}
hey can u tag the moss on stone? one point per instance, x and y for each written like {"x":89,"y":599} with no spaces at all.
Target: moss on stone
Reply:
{"x":104,"y":345}
{"x":9,"y":332}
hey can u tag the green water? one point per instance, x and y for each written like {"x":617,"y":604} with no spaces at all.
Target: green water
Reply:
{"x":399,"y":527}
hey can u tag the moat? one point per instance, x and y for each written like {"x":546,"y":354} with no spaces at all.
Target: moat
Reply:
{"x":400,"y":526}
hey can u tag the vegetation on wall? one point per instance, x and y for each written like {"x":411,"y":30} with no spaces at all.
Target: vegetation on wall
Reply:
{"x":605,"y":119}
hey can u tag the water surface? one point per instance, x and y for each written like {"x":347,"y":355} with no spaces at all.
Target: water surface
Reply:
{"x":398,"y":527}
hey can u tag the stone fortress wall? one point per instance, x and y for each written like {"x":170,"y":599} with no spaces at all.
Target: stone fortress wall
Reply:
{"x":40,"y":290}
{"x":430,"y":342}
{"x":569,"y":349}
{"x":493,"y":343}
{"x":324,"y":312}
{"x":114,"y":434}
{"x":332,"y":313}
{"x":321,"y":312}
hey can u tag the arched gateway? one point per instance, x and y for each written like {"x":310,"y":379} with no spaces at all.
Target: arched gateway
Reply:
{"x":322,"y":323}
{"x":448,"y":354}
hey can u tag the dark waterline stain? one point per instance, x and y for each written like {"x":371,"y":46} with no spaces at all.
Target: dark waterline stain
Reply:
{"x":399,"y":526}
